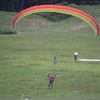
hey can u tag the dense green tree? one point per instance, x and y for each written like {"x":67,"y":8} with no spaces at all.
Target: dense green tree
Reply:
{"x":17,"y":5}
{"x":9,"y":5}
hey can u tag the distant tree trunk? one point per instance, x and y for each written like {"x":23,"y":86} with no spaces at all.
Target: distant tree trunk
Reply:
{"x":22,"y":4}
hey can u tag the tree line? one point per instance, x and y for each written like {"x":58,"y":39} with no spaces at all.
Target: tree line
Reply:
{"x":17,"y":5}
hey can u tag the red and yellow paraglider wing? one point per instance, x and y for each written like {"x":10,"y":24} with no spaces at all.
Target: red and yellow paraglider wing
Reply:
{"x":59,"y":9}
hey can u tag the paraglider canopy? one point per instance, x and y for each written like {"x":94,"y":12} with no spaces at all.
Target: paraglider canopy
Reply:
{"x":59,"y":9}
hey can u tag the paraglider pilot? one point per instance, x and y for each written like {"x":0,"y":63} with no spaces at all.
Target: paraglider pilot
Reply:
{"x":51,"y":80}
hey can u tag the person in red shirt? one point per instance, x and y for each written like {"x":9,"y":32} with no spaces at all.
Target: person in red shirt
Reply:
{"x":51,"y":80}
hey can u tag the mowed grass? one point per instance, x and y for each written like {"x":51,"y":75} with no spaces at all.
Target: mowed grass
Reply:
{"x":25,"y":59}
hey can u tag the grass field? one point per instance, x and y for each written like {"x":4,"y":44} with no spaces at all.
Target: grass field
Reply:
{"x":26,"y":58}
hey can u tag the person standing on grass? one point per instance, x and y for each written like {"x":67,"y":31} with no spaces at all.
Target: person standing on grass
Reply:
{"x":75,"y":55}
{"x":51,"y":80}
{"x":55,"y":61}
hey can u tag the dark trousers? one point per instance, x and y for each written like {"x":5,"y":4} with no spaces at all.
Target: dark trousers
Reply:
{"x":75,"y":57}
{"x":50,"y":85}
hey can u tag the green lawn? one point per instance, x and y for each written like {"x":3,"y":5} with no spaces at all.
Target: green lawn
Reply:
{"x":26,"y":58}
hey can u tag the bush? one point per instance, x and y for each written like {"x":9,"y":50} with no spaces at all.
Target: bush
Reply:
{"x":55,"y":17}
{"x":8,"y":32}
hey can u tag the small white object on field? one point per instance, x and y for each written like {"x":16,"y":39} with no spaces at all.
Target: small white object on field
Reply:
{"x":26,"y":99}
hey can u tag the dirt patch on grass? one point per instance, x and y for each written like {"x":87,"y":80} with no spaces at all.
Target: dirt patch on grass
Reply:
{"x":33,"y":24}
